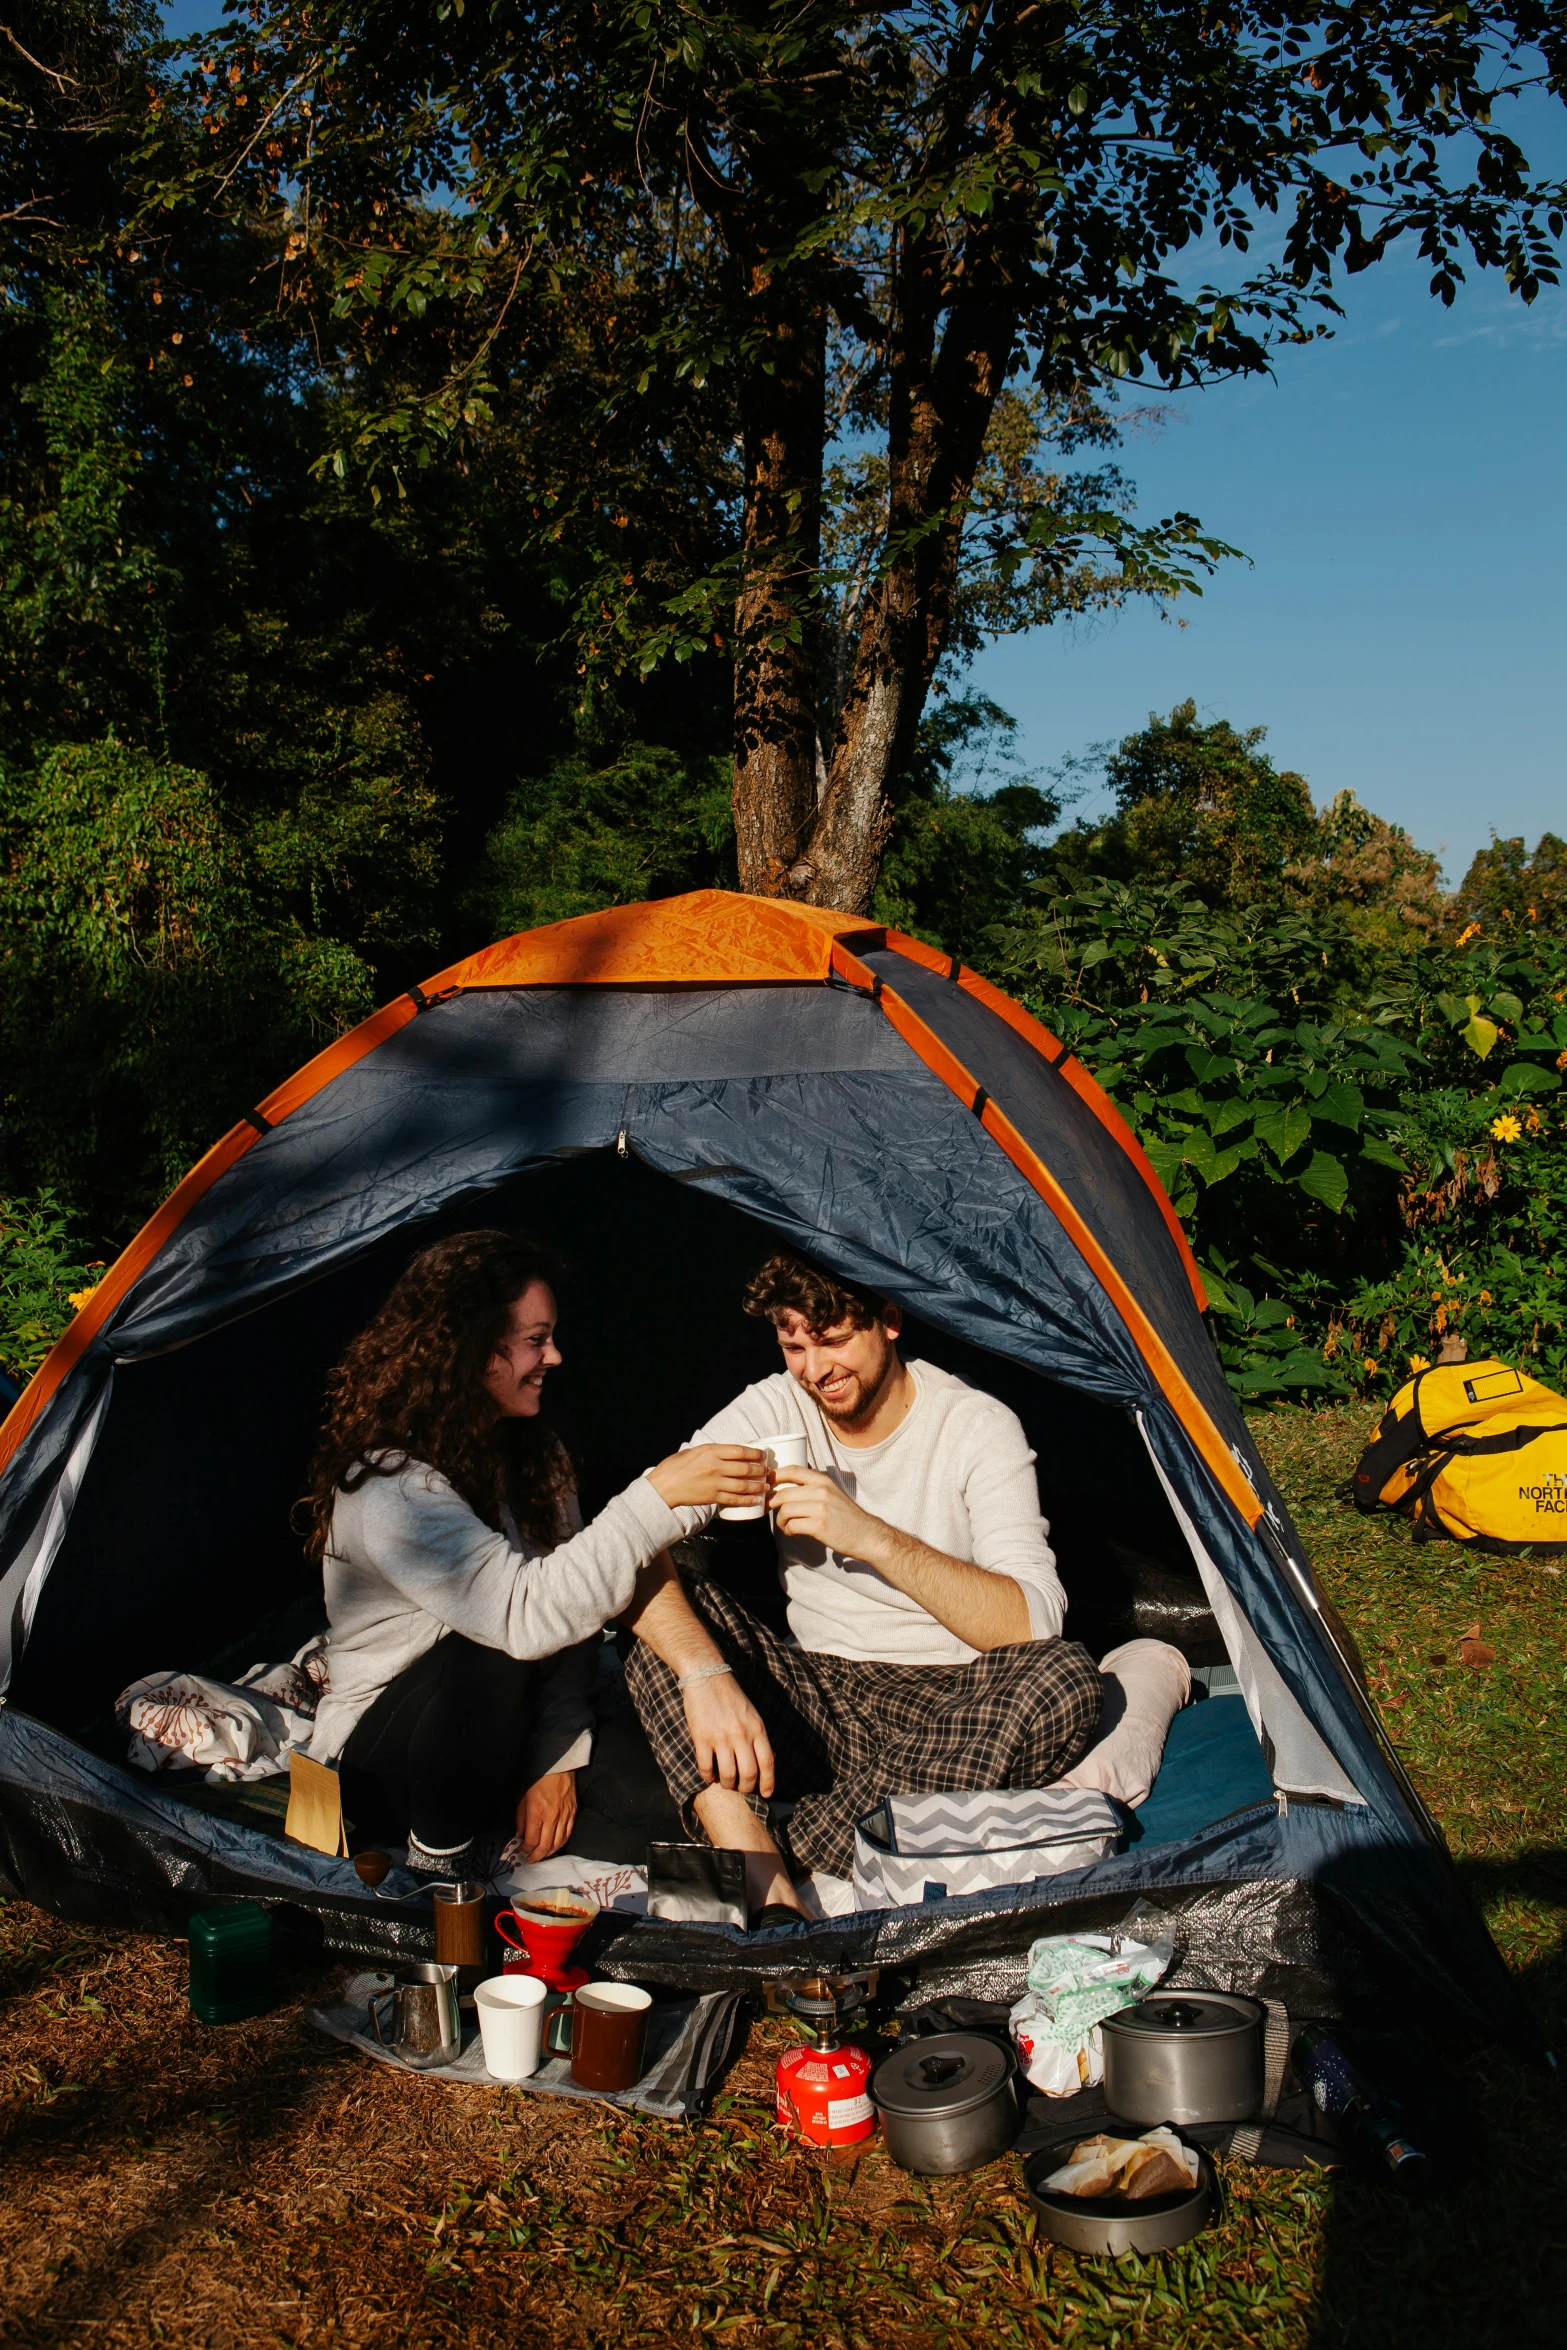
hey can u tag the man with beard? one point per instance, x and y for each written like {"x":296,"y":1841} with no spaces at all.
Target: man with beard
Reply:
{"x":924,"y":1608}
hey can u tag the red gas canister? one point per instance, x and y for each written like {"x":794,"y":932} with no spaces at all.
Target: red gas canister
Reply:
{"x":822,"y":2095}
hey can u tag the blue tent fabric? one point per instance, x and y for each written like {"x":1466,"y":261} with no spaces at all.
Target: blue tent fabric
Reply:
{"x":800,"y":1107}
{"x":1212,"y":1768}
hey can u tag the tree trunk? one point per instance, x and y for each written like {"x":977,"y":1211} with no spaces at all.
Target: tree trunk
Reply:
{"x":777,"y":610}
{"x":941,"y":405}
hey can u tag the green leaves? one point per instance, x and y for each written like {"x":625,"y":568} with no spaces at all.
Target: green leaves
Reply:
{"x":1260,"y":1343}
{"x":1382,"y":1154}
{"x":1285,"y":1130}
{"x":1203,"y":1156}
{"x":1478,"y":1032}
{"x":1524,"y":1077}
{"x":156,"y":966}
{"x":42,"y":1273}
{"x":1342,"y":1104}
{"x":1327,"y":1119}
{"x":1325,"y":1180}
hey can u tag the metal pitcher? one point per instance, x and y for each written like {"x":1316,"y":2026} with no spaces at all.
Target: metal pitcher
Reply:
{"x":420,"y":2004}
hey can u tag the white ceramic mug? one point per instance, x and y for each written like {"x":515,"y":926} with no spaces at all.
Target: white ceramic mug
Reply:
{"x":511,"y":2025}
{"x":784,"y":1452}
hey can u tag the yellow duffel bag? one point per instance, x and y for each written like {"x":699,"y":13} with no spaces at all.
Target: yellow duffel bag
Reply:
{"x":1472,"y":1452}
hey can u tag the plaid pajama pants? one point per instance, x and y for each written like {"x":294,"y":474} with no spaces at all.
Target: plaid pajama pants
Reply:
{"x":845,"y":1734}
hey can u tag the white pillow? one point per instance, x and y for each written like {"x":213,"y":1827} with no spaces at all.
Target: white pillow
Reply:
{"x":1146,"y":1684}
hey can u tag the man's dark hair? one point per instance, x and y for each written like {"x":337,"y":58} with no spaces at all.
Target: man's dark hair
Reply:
{"x":788,"y":1285}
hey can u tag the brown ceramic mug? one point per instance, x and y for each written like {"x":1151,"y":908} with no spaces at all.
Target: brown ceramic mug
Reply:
{"x":604,"y":2032}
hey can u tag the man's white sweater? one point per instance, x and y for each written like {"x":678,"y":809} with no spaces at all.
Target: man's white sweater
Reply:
{"x":956,"y":1473}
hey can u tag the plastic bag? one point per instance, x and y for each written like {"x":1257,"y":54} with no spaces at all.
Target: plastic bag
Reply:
{"x":1074,"y":1982}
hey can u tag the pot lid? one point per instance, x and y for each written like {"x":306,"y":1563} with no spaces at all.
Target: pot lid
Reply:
{"x":945,"y":2074}
{"x":1186,"y":2015}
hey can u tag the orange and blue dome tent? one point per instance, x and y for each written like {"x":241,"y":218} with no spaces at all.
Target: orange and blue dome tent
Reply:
{"x":664,"y":1091}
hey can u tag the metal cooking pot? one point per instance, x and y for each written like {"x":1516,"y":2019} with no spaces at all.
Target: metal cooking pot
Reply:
{"x":1108,"y":2224}
{"x":1185,"y":2057}
{"x":946,"y":2103}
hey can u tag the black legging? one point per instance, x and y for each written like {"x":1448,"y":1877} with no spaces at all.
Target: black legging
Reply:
{"x":443,"y":1752}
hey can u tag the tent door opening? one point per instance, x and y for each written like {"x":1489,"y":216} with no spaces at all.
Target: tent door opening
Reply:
{"x":179,"y":1549}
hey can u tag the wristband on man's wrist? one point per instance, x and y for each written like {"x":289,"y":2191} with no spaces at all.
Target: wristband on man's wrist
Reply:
{"x":702,"y":1673}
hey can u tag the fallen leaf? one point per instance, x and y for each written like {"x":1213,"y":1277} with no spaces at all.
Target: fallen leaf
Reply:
{"x":1474,"y":1652}
{"x":1438,"y":1656}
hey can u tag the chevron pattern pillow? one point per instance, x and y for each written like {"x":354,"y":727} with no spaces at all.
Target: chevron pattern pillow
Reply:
{"x":914,"y":1848}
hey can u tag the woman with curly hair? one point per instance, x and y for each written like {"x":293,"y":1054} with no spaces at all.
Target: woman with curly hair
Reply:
{"x":466,"y":1598}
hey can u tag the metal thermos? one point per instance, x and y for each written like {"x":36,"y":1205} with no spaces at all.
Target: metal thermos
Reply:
{"x":1369,"y":2121}
{"x":231,"y":1962}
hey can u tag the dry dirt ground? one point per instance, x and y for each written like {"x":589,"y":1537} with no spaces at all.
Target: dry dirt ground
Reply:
{"x":259,"y":2185}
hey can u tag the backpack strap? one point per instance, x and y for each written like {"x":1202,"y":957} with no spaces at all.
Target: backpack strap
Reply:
{"x":1395,"y":1442}
{"x":1510,"y":1440}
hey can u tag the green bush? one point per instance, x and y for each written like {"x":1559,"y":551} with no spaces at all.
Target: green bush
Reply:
{"x":42,"y":1280}
{"x":152,"y":983}
{"x":576,"y":837}
{"x":965,"y":840}
{"x":1366,"y":1151}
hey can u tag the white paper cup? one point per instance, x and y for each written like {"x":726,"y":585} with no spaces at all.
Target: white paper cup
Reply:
{"x":785,"y":1452}
{"x":511,"y":2024}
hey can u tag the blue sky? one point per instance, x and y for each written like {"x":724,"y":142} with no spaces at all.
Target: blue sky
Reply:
{"x":1401,"y":628}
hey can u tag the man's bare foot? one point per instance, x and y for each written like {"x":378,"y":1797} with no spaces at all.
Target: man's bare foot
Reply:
{"x":731,"y":1825}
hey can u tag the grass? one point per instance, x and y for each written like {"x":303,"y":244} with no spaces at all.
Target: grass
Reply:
{"x":260,"y":2186}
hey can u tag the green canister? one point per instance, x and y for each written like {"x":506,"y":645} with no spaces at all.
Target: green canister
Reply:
{"x":231,"y":1962}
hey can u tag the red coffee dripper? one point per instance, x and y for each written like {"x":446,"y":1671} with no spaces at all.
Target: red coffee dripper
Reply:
{"x":551,"y":1922}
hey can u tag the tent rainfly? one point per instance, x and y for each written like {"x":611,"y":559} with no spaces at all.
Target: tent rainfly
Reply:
{"x":662,"y":1091}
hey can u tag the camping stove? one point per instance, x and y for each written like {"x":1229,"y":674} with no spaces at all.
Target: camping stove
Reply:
{"x":822,"y":2091}
{"x":823,"y":2002}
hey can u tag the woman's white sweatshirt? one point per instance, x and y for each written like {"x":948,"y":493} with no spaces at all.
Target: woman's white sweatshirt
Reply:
{"x":408,"y":1560}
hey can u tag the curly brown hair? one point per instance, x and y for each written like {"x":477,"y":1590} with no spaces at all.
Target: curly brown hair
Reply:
{"x":411,"y":1388}
{"x":787,"y":1284}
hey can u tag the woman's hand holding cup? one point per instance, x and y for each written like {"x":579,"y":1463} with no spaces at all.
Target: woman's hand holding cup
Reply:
{"x":732,"y":1476}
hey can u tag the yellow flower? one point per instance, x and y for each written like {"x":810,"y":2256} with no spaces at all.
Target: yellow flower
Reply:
{"x":1464,"y":936}
{"x":1485,"y":1297}
{"x":1419,"y":1363}
{"x":1506,"y":1128}
{"x":78,"y":1297}
{"x":1371,"y":1362}
{"x":1534,"y":1122}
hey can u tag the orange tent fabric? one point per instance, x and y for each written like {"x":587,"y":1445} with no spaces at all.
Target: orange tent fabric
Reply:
{"x":709,"y":938}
